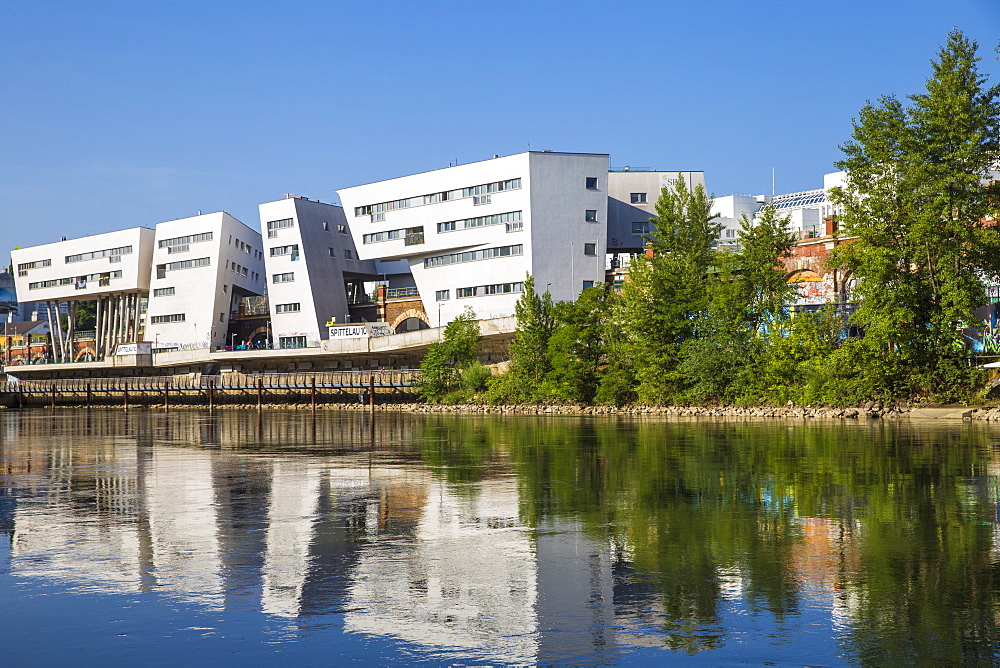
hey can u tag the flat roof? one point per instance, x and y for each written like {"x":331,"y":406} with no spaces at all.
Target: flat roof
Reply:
{"x":476,"y":162}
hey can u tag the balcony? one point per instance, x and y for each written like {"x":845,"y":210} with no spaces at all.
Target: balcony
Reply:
{"x":402,"y":293}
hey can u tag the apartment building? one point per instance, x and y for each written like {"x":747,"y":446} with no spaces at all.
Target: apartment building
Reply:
{"x":313,"y":271}
{"x":472,"y":233}
{"x":201,"y":267}
{"x":112,"y":269}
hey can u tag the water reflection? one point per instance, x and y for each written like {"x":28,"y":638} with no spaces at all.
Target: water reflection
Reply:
{"x":524,"y":540}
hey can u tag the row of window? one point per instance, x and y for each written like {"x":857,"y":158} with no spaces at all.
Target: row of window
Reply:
{"x":242,"y":271}
{"x":185,"y":240}
{"x":433,"y":198}
{"x":163,"y":292}
{"x":480,"y":221}
{"x":173,"y":317}
{"x":292,"y":250}
{"x":22,"y":269}
{"x":483,"y":290}
{"x":472,"y":256}
{"x":103,"y":278}
{"x":93,"y":255}
{"x":288,"y":308}
{"x":283,"y":278}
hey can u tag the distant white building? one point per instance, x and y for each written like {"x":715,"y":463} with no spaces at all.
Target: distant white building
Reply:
{"x":472,"y":233}
{"x":313,"y":271}
{"x":809,"y":210}
{"x":201,"y":267}
{"x":731,"y":209}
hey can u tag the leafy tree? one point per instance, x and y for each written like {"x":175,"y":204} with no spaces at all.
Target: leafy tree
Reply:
{"x":446,"y":363}
{"x":915,"y":199}
{"x":529,"y":351}
{"x":577,"y":347}
{"x":666,"y":290}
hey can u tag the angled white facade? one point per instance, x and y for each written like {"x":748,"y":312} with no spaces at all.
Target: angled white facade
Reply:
{"x":472,"y":233}
{"x":201,"y":266}
{"x":312,"y":269}
{"x":112,"y":269}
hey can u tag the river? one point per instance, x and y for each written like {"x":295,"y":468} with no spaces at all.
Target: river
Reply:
{"x":251,"y":538}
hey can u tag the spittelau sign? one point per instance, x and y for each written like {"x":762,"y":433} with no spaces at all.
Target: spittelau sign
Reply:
{"x":360,"y":331}
{"x":134,"y":349}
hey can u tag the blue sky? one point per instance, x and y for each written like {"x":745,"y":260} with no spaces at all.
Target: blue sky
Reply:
{"x":117,"y":114}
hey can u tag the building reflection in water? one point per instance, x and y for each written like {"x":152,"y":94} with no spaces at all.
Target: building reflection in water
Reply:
{"x":303,"y":517}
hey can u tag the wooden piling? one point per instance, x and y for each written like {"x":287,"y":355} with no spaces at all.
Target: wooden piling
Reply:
{"x":89,"y":395}
{"x":166,"y":395}
{"x":260,"y":393}
{"x":53,"y":395}
{"x":125,"y":393}
{"x":313,"y":393}
{"x":211,"y":395}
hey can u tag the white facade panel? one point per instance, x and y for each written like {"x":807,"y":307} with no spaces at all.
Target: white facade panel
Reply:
{"x":86,"y":268}
{"x":484,"y":210}
{"x":201,"y":267}
{"x":309,"y":254}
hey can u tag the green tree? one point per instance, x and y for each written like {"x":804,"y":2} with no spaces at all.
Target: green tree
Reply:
{"x":667,"y":291}
{"x":446,"y":364}
{"x":915,"y":199}
{"x":577,"y":347}
{"x":529,"y":350}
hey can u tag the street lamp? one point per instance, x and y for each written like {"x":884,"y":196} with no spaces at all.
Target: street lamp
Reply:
{"x":270,"y":339}
{"x":439,"y":315}
{"x":232,"y":340}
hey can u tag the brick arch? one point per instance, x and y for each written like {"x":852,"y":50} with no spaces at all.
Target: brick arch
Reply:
{"x":85,"y":351}
{"x":794,"y":276}
{"x":409,"y":313}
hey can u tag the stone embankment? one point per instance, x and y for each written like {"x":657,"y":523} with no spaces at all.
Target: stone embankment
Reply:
{"x":869,"y":410}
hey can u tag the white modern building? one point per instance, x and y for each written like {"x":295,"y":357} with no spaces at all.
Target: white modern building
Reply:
{"x":632,"y":196}
{"x":112,"y":269}
{"x":808,"y":210}
{"x":473,"y":232}
{"x":201,"y":267}
{"x":312,"y":268}
{"x":731,"y":209}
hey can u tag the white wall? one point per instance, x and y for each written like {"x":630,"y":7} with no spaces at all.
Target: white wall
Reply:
{"x":98,"y":272}
{"x":205,"y":295}
{"x":319,"y":276}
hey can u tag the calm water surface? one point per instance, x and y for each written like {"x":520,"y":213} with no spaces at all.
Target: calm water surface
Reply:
{"x":240,"y":538}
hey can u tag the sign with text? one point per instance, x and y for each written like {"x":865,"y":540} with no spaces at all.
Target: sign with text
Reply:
{"x":361,"y":330}
{"x":134,"y":349}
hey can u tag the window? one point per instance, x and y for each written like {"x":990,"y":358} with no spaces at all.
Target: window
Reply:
{"x":292,"y":250}
{"x":382,"y":236}
{"x":509,"y":218}
{"x":377,"y":211}
{"x":591,"y":183}
{"x":638,"y":198}
{"x":283,"y":278}
{"x":414,"y":236}
{"x":494,"y":289}
{"x":222,"y":317}
{"x":472,"y":256}
{"x":326,"y":226}
{"x":730,"y":234}
{"x":342,"y":228}
{"x":174,"y":242}
{"x":640,"y":228}
{"x":175,"y":317}
{"x":442,"y":295}
{"x":163,"y":292}
{"x":274,"y":225}
{"x":292,"y":341}
{"x":22,"y":269}
{"x":288,"y":308}
{"x":588,"y":284}
{"x":332,"y":252}
{"x":113,"y":253}
{"x":590,"y":249}
{"x":182,"y":264}
{"x":348,"y":254}
{"x":225,"y":288}
{"x":591,"y":215}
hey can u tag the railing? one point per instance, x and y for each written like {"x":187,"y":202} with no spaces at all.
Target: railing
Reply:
{"x":413,"y":239}
{"x":401,"y":293}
